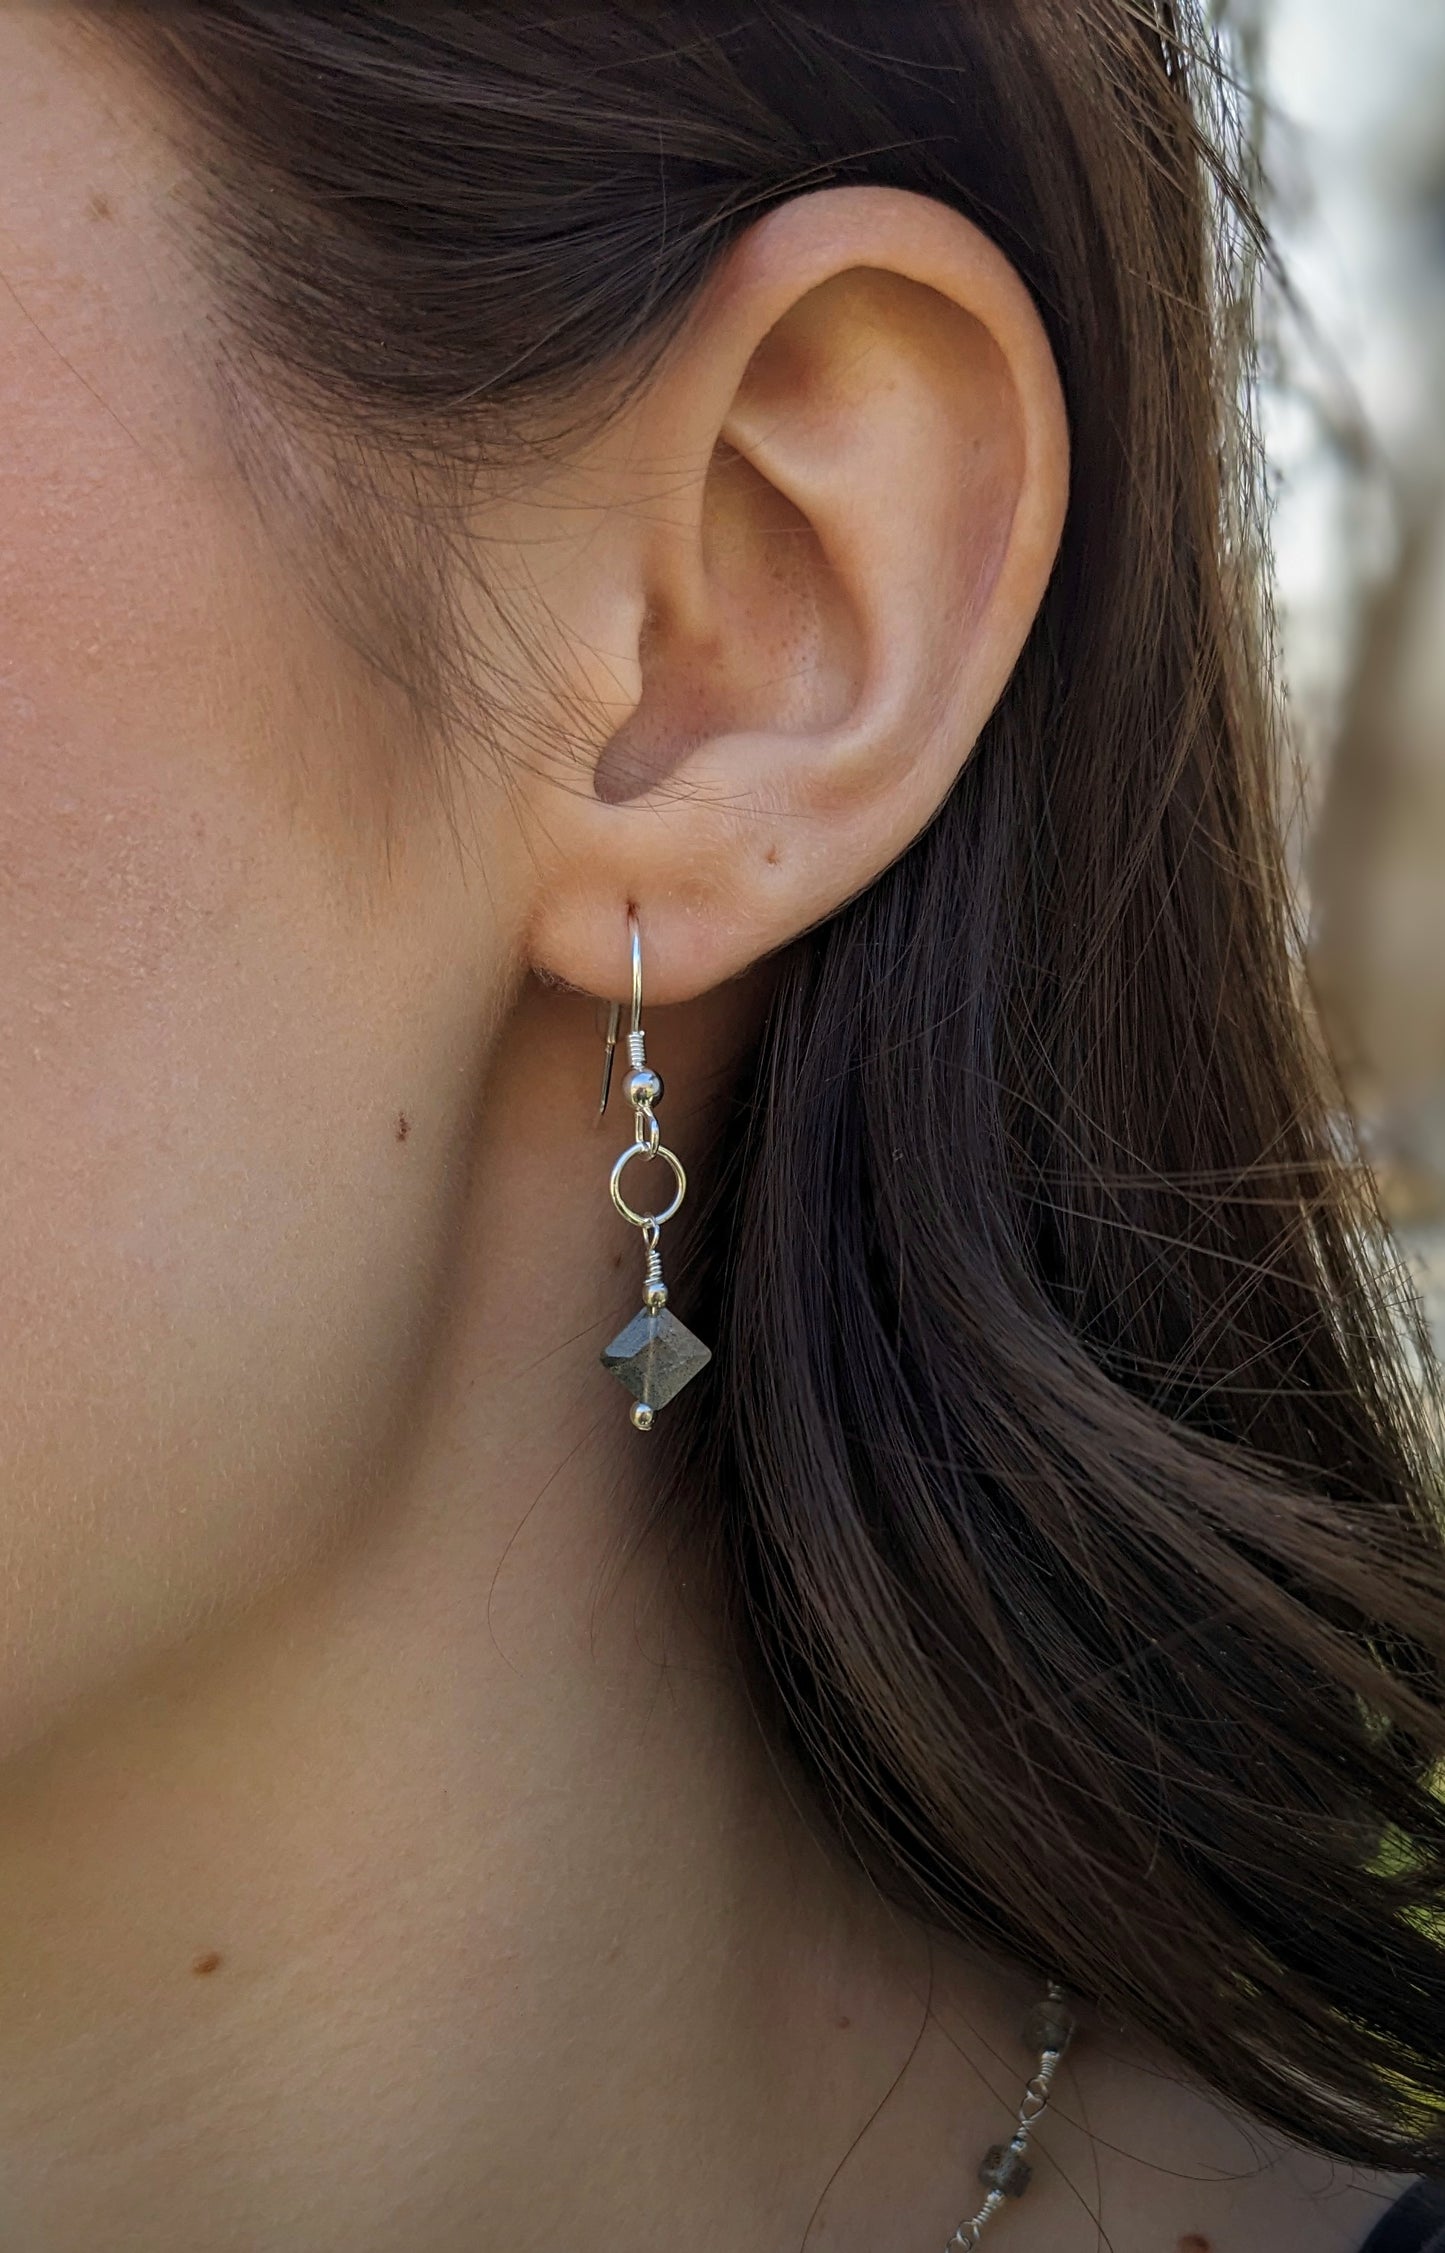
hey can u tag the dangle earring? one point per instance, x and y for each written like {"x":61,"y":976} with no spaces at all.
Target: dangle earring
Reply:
{"x":656,"y":1355}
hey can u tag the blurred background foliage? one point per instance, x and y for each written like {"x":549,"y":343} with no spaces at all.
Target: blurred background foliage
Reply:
{"x":1351,"y":136}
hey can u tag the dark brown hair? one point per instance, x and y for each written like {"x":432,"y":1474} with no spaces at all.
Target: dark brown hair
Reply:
{"x":1063,"y":1472}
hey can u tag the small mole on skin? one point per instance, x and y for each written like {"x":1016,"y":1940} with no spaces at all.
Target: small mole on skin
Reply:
{"x":100,"y":206}
{"x":1194,"y":2243}
{"x":772,"y":856}
{"x":843,"y":2023}
{"x":403,"y":1126}
{"x":206,"y":1963}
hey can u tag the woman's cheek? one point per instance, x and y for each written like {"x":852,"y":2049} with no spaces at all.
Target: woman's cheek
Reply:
{"x":218,"y":1259}
{"x":211,"y":1239}
{"x":222,"y":979}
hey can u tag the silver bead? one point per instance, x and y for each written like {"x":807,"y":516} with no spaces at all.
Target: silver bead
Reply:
{"x":655,"y":1297}
{"x":643,"y":1085}
{"x":642,"y":1415}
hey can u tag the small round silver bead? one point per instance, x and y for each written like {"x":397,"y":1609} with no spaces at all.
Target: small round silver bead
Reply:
{"x":643,"y":1085}
{"x":643,"y":1416}
{"x":656,"y":1297}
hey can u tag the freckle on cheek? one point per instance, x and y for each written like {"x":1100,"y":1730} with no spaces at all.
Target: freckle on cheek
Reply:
{"x":206,"y":1963}
{"x":1193,"y":2243}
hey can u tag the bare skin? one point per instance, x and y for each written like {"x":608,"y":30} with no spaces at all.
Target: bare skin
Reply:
{"x":386,"y":1858}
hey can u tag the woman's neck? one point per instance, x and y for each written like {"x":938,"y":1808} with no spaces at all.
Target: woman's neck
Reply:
{"x":445,"y":1897}
{"x":444,"y":1901}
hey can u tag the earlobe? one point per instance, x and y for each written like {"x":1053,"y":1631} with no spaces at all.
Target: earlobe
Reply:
{"x":869,"y":461}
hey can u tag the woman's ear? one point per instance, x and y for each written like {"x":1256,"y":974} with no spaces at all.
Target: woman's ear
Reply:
{"x":812,"y":548}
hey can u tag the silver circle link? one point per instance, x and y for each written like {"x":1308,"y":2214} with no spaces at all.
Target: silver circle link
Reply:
{"x":640,"y":1150}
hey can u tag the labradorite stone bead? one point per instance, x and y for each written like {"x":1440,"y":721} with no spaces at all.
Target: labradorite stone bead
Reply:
{"x":1006,"y":2170}
{"x":655,"y":1356}
{"x":1048,"y":2026}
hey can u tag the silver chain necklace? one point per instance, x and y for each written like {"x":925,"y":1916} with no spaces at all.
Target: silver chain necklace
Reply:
{"x":1005,"y":2168}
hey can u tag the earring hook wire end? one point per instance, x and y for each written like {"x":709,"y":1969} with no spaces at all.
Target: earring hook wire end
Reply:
{"x":614,"y":1015}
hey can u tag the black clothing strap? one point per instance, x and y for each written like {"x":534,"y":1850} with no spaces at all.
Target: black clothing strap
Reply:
{"x":1414,"y":2224}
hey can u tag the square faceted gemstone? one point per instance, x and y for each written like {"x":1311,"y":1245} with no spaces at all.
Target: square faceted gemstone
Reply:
{"x":655,"y":1356}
